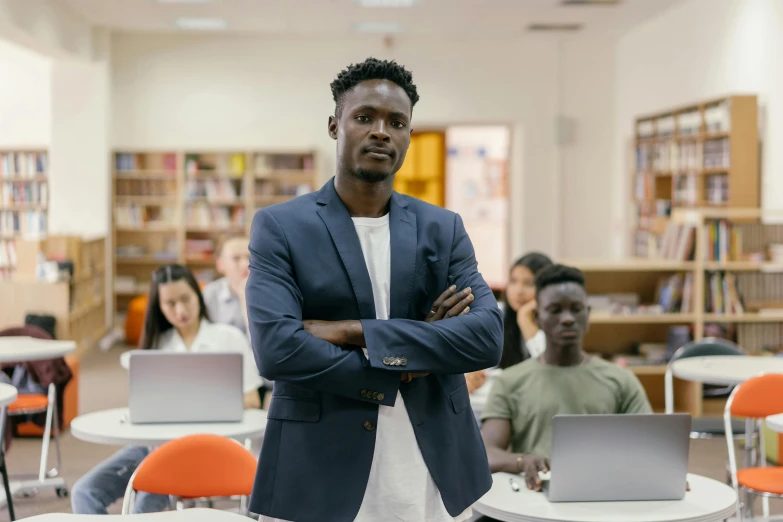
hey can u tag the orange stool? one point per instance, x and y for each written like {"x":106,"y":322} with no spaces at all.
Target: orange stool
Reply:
{"x":70,"y":403}
{"x":196,"y":466}
{"x":134,"y":321}
{"x":756,"y":399}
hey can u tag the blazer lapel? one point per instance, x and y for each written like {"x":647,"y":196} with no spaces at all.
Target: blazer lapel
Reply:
{"x":402,"y":224}
{"x":337,"y":220}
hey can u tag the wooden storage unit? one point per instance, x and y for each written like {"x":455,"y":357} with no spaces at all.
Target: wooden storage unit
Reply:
{"x":423,"y":174}
{"x":701,"y":155}
{"x":78,"y":305}
{"x":759,"y":280}
{"x":178,"y":206}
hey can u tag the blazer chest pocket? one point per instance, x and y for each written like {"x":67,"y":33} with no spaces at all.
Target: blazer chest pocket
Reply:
{"x":427,"y":268}
{"x":294,"y":409}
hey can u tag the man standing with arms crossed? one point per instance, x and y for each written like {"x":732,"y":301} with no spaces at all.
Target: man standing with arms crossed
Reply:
{"x":370,"y":418}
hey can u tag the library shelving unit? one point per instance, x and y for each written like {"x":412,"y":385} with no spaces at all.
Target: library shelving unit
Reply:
{"x":732,"y":286}
{"x":24,"y":199}
{"x":700,"y":155}
{"x":78,"y":303}
{"x":177,"y":206}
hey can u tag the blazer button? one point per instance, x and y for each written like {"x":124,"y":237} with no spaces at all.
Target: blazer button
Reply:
{"x":369,"y":425}
{"x":374,"y":395}
{"x":387,"y":361}
{"x":403,"y":361}
{"x":364,"y":393}
{"x":380,"y":396}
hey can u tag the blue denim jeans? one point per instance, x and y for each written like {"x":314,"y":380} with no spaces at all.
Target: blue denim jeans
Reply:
{"x":106,"y":483}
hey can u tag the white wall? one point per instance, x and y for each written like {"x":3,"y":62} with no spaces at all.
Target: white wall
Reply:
{"x":254,"y":92}
{"x":25,"y":105}
{"x":46,"y":26}
{"x":699,"y":50}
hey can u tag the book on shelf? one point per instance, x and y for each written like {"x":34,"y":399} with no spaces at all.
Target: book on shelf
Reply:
{"x":689,"y":122}
{"x":199,"y":249}
{"x":717,"y":117}
{"x":23,"y":164}
{"x":643,"y":158}
{"x":717,"y":154}
{"x":128,"y":162}
{"x":227,"y":164}
{"x":724,"y":241}
{"x":665,"y":157}
{"x":7,"y":258}
{"x":19,"y":193}
{"x":717,"y":190}
{"x":208,"y":217}
{"x":139,"y":216}
{"x":685,"y":190}
{"x":689,"y":157}
{"x":675,"y":293}
{"x":678,"y":242}
{"x":722,"y":295}
{"x":27,"y":223}
{"x":215,"y":190}
{"x":268,"y":163}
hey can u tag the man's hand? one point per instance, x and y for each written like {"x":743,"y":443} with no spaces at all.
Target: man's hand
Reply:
{"x":529,"y":466}
{"x":450,"y":304}
{"x":335,"y":332}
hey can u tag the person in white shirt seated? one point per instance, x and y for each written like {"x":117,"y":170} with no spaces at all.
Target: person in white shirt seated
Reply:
{"x":176,"y":320}
{"x":522,"y":338}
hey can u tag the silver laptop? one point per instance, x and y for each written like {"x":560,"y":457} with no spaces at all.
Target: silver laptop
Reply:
{"x":604,"y":458}
{"x":185,"y":387}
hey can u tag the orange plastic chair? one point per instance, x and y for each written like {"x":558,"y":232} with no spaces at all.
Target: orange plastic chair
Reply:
{"x":196,"y":466}
{"x":757,"y":398}
{"x":134,"y":320}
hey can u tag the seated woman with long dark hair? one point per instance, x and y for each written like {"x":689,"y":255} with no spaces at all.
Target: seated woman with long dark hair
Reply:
{"x":176,"y":320}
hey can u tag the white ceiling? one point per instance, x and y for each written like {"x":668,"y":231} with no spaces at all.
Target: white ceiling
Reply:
{"x":475,"y":18}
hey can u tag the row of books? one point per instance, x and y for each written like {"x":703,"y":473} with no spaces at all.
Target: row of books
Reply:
{"x":717,"y":154}
{"x":721,"y":294}
{"x":138,"y":216}
{"x":268,"y":188}
{"x":717,"y":190}
{"x":678,"y":242}
{"x":166,"y":254}
{"x":146,"y":187}
{"x":271,"y":162}
{"x":18,"y":193}
{"x":200,"y":249}
{"x":675,"y":293}
{"x":686,"y":156}
{"x":717,"y":118}
{"x":209,"y":217}
{"x":685,"y":190}
{"x":724,"y":241}
{"x":689,"y":122}
{"x":23,"y":164}
{"x":217,"y":190}
{"x":26,"y":223}
{"x":231,"y":164}
{"x":124,"y":162}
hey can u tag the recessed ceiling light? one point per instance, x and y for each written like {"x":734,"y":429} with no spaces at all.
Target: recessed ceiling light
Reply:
{"x":378,"y":27}
{"x":184,"y":1}
{"x":201,"y":24}
{"x":554,"y":27}
{"x":387,"y":3}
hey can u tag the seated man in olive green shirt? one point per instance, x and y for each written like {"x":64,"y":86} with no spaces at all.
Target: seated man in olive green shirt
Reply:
{"x":517,"y":420}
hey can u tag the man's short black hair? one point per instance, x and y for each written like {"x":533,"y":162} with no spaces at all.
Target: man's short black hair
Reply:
{"x":556,"y":274}
{"x":372,"y":69}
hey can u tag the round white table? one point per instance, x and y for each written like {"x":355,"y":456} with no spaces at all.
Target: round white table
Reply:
{"x":775,"y":422}
{"x":186,"y":515}
{"x":125,"y":358}
{"x":725,"y":370}
{"x":112,"y":427}
{"x":8,"y":394}
{"x":707,"y":501}
{"x":25,"y":349}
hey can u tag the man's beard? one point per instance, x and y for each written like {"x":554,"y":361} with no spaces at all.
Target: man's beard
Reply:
{"x":372,"y":176}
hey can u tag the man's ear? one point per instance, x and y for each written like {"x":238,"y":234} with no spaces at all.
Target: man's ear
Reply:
{"x":332,"y":127}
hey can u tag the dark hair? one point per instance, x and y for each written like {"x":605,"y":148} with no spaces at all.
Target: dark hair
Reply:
{"x":514,"y":349}
{"x":372,"y":69}
{"x":155,"y":323}
{"x":557,"y":274}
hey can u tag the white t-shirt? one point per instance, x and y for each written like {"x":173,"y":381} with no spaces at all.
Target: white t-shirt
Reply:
{"x":216,"y":337}
{"x":536,"y":344}
{"x":400,"y":486}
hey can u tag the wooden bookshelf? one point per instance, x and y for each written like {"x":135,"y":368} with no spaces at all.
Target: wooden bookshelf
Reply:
{"x":78,"y":303}
{"x":701,"y":155}
{"x":24,"y":200}
{"x":618,"y":329}
{"x":177,"y":206}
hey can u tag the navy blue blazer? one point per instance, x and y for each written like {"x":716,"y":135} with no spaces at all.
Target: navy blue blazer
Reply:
{"x":306,"y":262}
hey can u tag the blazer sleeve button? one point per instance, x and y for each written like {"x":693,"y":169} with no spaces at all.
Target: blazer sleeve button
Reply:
{"x":369,"y":425}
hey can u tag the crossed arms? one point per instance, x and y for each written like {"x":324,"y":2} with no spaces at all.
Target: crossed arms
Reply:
{"x":286,"y":351}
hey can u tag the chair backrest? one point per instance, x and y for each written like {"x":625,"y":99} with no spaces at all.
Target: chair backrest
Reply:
{"x":197,"y":466}
{"x":706,"y":347}
{"x":25,"y":331}
{"x":758,"y":397}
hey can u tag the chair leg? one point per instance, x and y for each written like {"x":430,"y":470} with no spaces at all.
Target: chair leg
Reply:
{"x":56,"y":428}
{"x":8,"y":496}
{"x":47,"y":434}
